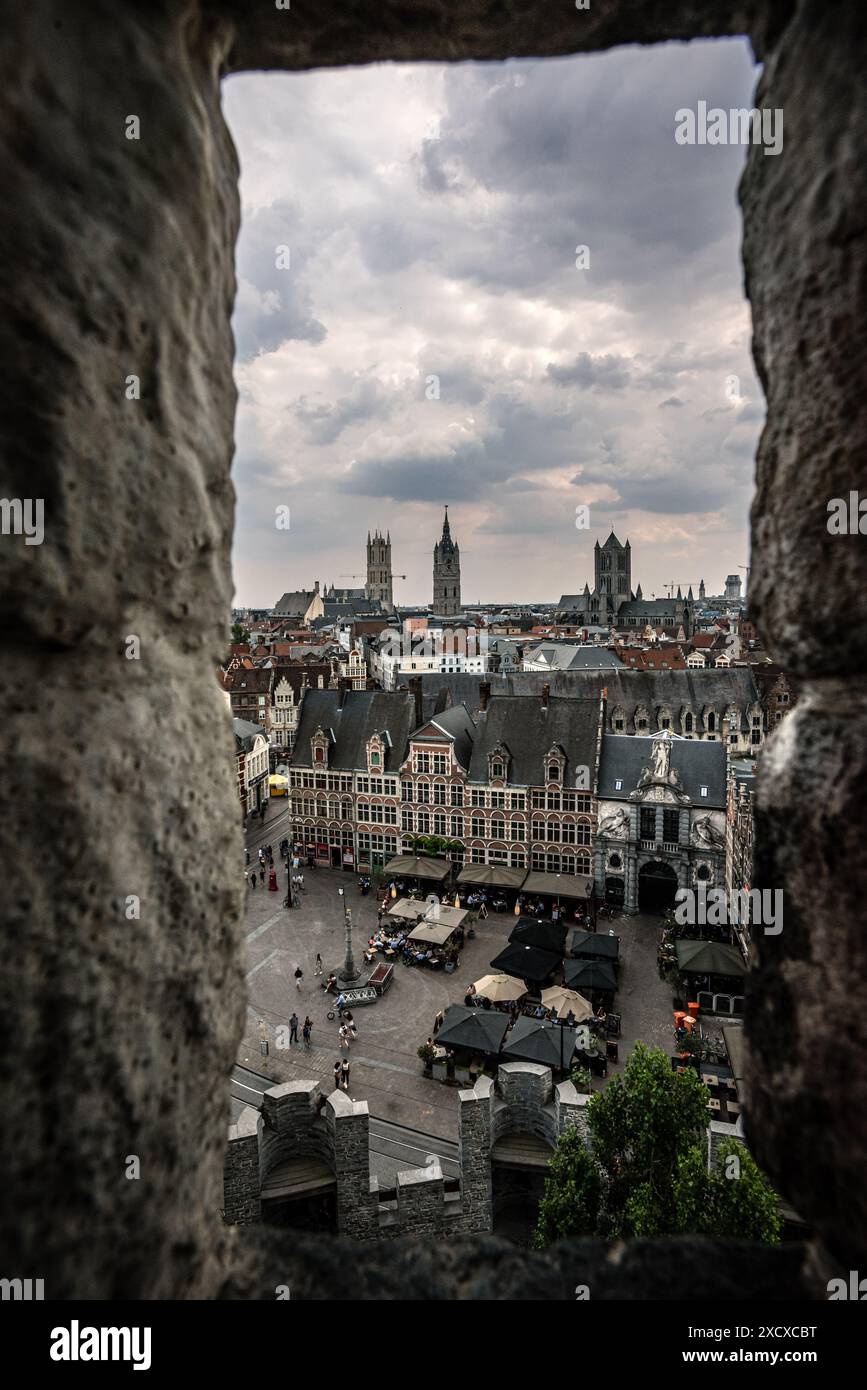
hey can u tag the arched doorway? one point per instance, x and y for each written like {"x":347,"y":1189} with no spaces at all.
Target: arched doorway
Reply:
{"x":657,"y":885}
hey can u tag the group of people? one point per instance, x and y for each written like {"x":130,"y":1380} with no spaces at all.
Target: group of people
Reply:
{"x":397,"y":943}
{"x":306,"y":1030}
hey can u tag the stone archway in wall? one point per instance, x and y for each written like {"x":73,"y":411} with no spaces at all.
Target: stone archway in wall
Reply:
{"x":123,"y":265}
{"x":657,"y":885}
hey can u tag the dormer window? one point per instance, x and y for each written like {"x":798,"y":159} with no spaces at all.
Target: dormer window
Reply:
{"x":374,"y":760}
{"x":496,"y":769}
{"x":319,"y":747}
{"x":553,"y":772}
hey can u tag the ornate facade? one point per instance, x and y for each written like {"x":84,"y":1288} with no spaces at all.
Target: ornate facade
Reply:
{"x":661,"y":819}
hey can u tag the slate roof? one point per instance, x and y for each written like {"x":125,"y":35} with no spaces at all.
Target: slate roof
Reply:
{"x":256,"y":680}
{"x":529,"y":731}
{"x":456,"y":721}
{"x":293,"y":603}
{"x":569,"y":657}
{"x":364,"y":713}
{"x":245,"y":734}
{"x":718,"y":686}
{"x":649,"y":607}
{"x":700,"y":763}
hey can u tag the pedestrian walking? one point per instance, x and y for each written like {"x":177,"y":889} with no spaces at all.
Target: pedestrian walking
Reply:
{"x":253,"y":879}
{"x":343,"y":1034}
{"x":351,"y":1025}
{"x":318,"y":967}
{"x":262,"y":877}
{"x":301,"y":883}
{"x":344,"y":1073}
{"x":337,"y":1074}
{"x":246,"y":856}
{"x":306,"y":1031}
{"x":293,"y":1029}
{"x":299,"y":976}
{"x":438,"y":1022}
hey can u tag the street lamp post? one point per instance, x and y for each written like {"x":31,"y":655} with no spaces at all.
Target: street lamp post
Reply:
{"x":348,"y":975}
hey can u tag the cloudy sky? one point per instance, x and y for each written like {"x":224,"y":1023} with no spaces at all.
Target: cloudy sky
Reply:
{"x":432,"y":215}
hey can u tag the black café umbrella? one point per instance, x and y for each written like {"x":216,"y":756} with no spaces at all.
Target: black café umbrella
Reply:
{"x":588,"y":945}
{"x":591,"y":975}
{"x":534,"y":1040}
{"x":479,"y":1029}
{"x":531,"y":931}
{"x":526,"y":962}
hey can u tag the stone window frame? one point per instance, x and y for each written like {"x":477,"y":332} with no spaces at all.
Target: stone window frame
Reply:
{"x":795,"y":362}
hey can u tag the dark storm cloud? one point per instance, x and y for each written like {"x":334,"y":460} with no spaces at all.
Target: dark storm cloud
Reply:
{"x":324,"y":422}
{"x":452,"y":255}
{"x":592,"y":373}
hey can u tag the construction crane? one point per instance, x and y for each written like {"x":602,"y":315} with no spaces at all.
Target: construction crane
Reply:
{"x":364,"y":576}
{"x":685,"y":585}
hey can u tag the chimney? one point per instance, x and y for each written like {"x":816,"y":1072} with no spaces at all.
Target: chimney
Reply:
{"x":415,"y":687}
{"x":546,"y":691}
{"x":343,"y":685}
{"x":484,"y":694}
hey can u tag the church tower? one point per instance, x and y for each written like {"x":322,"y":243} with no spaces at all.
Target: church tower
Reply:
{"x":446,"y":574}
{"x":378,"y":586}
{"x":612,"y":565}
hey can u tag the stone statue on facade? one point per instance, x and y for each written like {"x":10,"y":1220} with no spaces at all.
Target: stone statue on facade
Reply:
{"x":705,"y":834}
{"x":615,"y":825}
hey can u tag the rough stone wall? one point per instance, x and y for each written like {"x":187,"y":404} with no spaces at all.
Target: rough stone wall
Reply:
{"x":117,"y":261}
{"x":474,"y":1142}
{"x":241,"y":1180}
{"x":348,"y":1124}
{"x":805,"y":255}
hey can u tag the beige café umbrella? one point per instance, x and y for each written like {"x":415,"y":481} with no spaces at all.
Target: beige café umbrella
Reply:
{"x":500,"y":988}
{"x":565,"y":999}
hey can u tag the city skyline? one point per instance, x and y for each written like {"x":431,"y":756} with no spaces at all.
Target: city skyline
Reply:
{"x":432,"y":217}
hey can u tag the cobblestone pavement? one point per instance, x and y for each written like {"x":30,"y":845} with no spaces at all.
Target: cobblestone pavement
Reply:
{"x":385,"y":1069}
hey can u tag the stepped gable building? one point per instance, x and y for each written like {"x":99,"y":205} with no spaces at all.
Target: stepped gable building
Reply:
{"x":662,"y":819}
{"x":723,"y":704}
{"x":344,"y":775}
{"x":531,"y":786}
{"x":446,"y":574}
{"x":612,"y":602}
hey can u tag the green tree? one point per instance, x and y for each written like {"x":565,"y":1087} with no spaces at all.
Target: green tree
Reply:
{"x":733,"y":1199}
{"x":641,"y":1124}
{"x":648,"y":1174}
{"x":239,"y":634}
{"x":573,"y":1189}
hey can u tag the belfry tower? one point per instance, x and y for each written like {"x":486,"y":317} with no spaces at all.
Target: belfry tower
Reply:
{"x":378,"y":586}
{"x":446,"y":574}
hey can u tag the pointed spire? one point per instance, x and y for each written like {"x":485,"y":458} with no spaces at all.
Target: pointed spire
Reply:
{"x":638,"y":593}
{"x":689,"y":597}
{"x":679,"y":594}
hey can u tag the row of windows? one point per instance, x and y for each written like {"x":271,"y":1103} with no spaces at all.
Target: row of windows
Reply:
{"x":453,"y":794}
